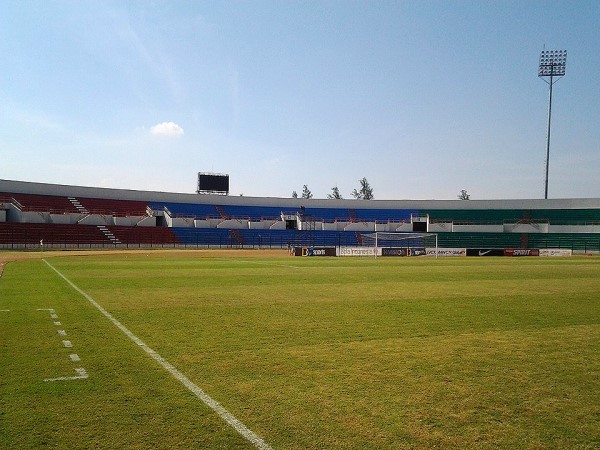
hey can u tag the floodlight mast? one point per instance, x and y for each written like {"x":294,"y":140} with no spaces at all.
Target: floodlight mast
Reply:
{"x":552,"y":67}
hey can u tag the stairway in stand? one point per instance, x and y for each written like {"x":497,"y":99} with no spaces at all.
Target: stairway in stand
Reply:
{"x":78,"y":205}
{"x":524,"y":240}
{"x":352,"y":216}
{"x":109,"y":234}
{"x":222,"y":212}
{"x":236,"y":238}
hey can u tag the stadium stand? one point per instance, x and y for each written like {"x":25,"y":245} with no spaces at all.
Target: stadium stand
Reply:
{"x":84,"y":216}
{"x":143,"y":236}
{"x":39,"y":203}
{"x":120,"y":208}
{"x":17,"y":235}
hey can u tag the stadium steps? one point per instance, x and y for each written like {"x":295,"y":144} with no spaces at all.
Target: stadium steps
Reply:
{"x":236,"y":236}
{"x":109,"y":234}
{"x":77,"y":204}
{"x":222,"y":212}
{"x":524,"y":241}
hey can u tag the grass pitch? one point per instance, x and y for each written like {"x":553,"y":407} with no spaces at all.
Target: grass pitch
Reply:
{"x":340,"y":353}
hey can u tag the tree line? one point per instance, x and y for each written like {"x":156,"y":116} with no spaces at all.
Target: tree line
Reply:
{"x":365,"y":192}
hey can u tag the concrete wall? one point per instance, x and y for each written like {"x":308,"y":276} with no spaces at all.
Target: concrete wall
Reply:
{"x":360,"y":226}
{"x":404,"y":228}
{"x":233,"y":224}
{"x":479,"y":228}
{"x":335,"y":226}
{"x":149,"y":221}
{"x":129,"y":221}
{"x":96,"y":219}
{"x":183,"y":222}
{"x":278,"y":225}
{"x":264,"y":224}
{"x":525,"y":228}
{"x":29,"y":216}
{"x":574,"y":229}
{"x":440,"y":227}
{"x":68,"y":219}
{"x":208,"y":223}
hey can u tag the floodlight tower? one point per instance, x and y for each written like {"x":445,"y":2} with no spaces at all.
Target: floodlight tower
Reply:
{"x":552,"y":67}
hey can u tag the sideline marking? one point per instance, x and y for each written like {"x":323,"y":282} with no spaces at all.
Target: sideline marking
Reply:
{"x":57,"y":323}
{"x":4,"y":310}
{"x":260,"y":263}
{"x":194,"y":388}
{"x":67,"y":344}
{"x":62,"y":332}
{"x":74,"y":357}
{"x":82,"y":375}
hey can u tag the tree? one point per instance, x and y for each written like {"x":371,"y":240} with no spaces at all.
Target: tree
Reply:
{"x":335,"y":194}
{"x":464,"y":195}
{"x":365,"y":192}
{"x":306,"y":192}
{"x":294,"y":194}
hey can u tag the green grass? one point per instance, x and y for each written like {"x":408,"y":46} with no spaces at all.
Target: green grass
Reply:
{"x":337,"y":353}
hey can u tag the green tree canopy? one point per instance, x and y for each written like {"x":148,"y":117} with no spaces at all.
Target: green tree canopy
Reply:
{"x":365,"y":192}
{"x":335,"y":193}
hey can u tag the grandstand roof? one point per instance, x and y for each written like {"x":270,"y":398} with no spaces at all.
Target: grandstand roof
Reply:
{"x":24,"y":187}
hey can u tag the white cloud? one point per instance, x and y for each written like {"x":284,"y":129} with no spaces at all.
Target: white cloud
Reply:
{"x":167,"y":129}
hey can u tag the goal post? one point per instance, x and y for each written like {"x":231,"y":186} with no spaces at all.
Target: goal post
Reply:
{"x":388,"y":243}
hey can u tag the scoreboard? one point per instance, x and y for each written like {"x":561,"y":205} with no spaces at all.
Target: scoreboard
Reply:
{"x":213,"y":183}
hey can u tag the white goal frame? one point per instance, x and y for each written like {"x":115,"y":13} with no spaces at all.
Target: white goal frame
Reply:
{"x":403,"y":239}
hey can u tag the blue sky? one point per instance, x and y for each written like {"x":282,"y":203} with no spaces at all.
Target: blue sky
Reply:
{"x":423,"y":98}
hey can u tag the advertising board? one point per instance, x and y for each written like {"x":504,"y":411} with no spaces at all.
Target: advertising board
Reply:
{"x":314,"y":251}
{"x":358,"y":251}
{"x":485,"y":252}
{"x":521,"y":252}
{"x":556,"y":252}
{"x":431,"y":251}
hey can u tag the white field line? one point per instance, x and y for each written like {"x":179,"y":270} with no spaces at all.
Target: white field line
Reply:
{"x":82,"y":376}
{"x":266,"y":264}
{"x":195,"y":389}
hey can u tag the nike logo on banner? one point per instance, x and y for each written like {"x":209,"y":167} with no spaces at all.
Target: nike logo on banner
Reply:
{"x":483,"y":253}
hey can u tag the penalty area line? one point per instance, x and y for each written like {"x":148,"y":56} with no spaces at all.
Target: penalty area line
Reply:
{"x":231,"y":420}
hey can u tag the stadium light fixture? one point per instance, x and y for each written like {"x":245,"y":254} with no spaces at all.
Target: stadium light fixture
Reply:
{"x":553,"y":64}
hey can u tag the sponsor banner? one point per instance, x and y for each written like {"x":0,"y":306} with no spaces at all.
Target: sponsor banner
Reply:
{"x":556,"y":252}
{"x":358,"y":251}
{"x":521,"y":252}
{"x":485,"y":252}
{"x":397,"y":251}
{"x":446,"y":251}
{"x":385,"y":251}
{"x":314,"y":251}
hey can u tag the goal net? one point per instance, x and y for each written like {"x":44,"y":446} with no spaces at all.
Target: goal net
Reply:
{"x":400,"y":244}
